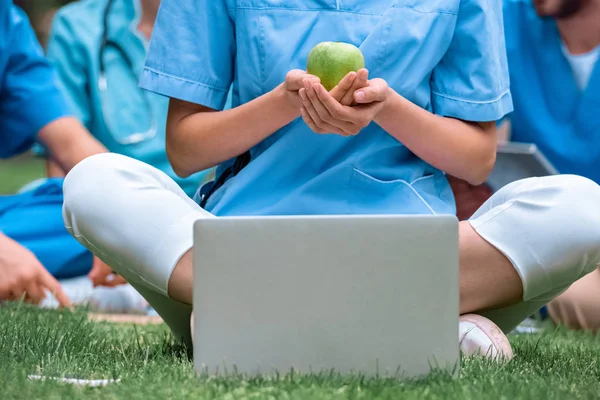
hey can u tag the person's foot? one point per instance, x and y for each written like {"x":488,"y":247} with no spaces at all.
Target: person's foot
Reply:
{"x":480,"y":336}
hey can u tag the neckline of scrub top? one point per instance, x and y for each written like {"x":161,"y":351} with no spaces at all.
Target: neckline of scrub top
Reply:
{"x":133,"y":27}
{"x":582,"y":65}
{"x":121,"y":28}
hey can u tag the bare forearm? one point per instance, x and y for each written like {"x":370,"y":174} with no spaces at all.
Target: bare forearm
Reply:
{"x":504,"y":132}
{"x":53,"y":169}
{"x":202,"y":140}
{"x":464,"y":150}
{"x":69,"y":142}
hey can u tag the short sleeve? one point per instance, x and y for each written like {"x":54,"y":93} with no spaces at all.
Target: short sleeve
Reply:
{"x":192,"y":52}
{"x":471,"y":82}
{"x":29,"y":99}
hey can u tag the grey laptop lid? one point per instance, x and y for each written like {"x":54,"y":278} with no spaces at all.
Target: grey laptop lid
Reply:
{"x":363,"y":294}
{"x":516,"y":161}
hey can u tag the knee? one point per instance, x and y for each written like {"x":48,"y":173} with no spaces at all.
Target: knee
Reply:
{"x":89,"y":185}
{"x":577,"y":308}
{"x":575,"y":214}
{"x":578,"y":207}
{"x":90,"y":175}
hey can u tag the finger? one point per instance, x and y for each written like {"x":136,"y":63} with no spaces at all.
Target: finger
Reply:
{"x":5,"y":294}
{"x":341,"y":114}
{"x":308,"y":106}
{"x":114,"y":280}
{"x":15,"y":293}
{"x":342,"y":88}
{"x":375,"y":92}
{"x":322,"y":126}
{"x":309,"y":121}
{"x":295,"y":78}
{"x":325,"y":129}
{"x":34,"y":293}
{"x":361,"y":81}
{"x":47,"y":281}
{"x":8,"y":289}
{"x":95,"y":276}
{"x":314,"y":94}
{"x":100,"y":278}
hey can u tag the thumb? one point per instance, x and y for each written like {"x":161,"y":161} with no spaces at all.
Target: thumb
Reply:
{"x":375,"y":92}
{"x":294,"y":80}
{"x":51,"y":284}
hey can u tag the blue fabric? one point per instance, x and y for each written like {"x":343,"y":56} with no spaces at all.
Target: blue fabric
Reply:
{"x":29,"y":99}
{"x":447,"y":56}
{"x":34,"y":220}
{"x":550,"y":110}
{"x":124,"y":109}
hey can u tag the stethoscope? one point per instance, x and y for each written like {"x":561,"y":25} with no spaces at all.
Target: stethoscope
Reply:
{"x":105,"y":42}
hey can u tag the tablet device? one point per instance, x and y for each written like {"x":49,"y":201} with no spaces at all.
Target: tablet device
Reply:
{"x":517,"y":161}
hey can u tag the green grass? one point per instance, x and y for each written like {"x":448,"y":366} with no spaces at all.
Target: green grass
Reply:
{"x":18,"y":171}
{"x":554,"y":365}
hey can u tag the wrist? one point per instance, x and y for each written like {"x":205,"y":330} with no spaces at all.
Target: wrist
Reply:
{"x":392,"y":106}
{"x":283,"y":101}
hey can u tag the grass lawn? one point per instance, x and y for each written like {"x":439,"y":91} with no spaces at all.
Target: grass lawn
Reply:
{"x":17,"y":171}
{"x":553,"y":365}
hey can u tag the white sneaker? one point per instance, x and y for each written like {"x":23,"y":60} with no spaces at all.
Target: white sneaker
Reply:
{"x":480,"y":336}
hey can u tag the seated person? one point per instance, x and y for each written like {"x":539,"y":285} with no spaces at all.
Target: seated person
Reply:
{"x":34,"y":245}
{"x":380,"y":142}
{"x":553,"y":53}
{"x":100,"y":84}
{"x":98,"y":48}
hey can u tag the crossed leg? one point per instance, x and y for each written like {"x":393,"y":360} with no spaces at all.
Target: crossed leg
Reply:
{"x":526,"y":245}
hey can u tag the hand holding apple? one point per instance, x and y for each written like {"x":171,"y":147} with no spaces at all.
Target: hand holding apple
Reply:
{"x":294,"y":81}
{"x":324,"y":114}
{"x":332,"y":61}
{"x":343,"y":82}
{"x":337,"y":64}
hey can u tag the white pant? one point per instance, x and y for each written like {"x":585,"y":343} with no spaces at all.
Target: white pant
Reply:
{"x":138,"y":221}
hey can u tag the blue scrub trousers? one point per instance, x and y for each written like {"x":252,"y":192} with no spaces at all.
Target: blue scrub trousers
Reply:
{"x":34,"y":219}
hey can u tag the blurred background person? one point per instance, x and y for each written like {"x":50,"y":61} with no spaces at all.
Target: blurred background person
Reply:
{"x":35,"y":238}
{"x":35,"y":248}
{"x":553,"y":48}
{"x":98,"y":48}
{"x":553,"y":51}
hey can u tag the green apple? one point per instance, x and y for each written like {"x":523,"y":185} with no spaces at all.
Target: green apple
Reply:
{"x":331,"y":61}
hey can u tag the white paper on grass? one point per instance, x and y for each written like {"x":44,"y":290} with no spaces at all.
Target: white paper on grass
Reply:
{"x":78,"y":382}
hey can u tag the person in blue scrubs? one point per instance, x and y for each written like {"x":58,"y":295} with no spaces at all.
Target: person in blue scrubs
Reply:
{"x":381,"y":142}
{"x":554,"y":60}
{"x":34,"y":245}
{"x":553,"y":51}
{"x":98,"y":48}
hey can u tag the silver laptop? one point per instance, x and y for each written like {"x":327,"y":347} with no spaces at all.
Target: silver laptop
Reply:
{"x":373,"y":295}
{"x":515,"y":161}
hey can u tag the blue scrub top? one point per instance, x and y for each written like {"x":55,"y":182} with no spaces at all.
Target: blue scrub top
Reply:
{"x":447,"y":56}
{"x":123,"y":111}
{"x":550,"y":109}
{"x":29,"y":99}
